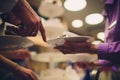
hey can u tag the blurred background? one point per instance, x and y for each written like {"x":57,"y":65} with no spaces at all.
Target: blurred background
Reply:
{"x":82,"y":17}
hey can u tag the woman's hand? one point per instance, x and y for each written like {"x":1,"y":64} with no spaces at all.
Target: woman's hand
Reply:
{"x":31,"y":22}
{"x":25,"y":74}
{"x":21,"y":73}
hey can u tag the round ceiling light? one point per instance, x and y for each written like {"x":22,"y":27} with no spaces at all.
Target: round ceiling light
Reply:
{"x":77,"y":23}
{"x":101,"y":35}
{"x":75,"y":5}
{"x":94,"y":19}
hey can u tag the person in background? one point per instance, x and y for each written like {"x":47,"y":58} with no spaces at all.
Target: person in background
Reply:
{"x":20,"y":13}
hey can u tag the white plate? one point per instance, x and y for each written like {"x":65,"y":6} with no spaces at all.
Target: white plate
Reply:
{"x":10,"y":42}
{"x":79,"y":38}
{"x":49,"y":57}
{"x":60,"y":41}
{"x":81,"y":57}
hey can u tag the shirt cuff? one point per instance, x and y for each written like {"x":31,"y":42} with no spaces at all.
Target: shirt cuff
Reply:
{"x":102,"y":50}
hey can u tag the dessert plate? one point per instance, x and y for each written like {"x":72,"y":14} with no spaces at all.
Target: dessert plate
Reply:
{"x":60,"y":41}
{"x":10,"y":42}
{"x":81,"y":57}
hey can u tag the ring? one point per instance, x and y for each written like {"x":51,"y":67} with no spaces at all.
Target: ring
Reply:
{"x":33,"y":32}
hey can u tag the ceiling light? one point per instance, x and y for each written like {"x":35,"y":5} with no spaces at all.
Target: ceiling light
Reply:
{"x":75,"y":5}
{"x":94,"y":19}
{"x":77,"y":23}
{"x":101,"y":35}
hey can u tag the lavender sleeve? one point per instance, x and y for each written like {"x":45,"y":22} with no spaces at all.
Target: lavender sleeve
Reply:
{"x":107,"y":49}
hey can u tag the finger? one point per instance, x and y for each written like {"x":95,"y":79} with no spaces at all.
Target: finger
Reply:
{"x":65,"y":50}
{"x":42,"y":32}
{"x":34,"y":76}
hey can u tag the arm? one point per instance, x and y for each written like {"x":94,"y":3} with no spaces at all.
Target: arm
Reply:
{"x":109,"y":51}
{"x":77,"y":47}
{"x":22,"y":73}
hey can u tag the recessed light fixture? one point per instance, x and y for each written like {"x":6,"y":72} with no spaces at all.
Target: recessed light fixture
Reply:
{"x":75,"y":5}
{"x":77,"y":23}
{"x":94,"y":19}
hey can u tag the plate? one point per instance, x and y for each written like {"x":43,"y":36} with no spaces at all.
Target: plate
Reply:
{"x":61,"y":41}
{"x":10,"y":42}
{"x":49,"y":57}
{"x":79,"y":39}
{"x":81,"y":57}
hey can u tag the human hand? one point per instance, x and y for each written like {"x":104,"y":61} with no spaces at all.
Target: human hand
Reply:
{"x":83,"y":65}
{"x":25,"y":74}
{"x":77,"y":47}
{"x":29,"y":18}
{"x":21,"y":73}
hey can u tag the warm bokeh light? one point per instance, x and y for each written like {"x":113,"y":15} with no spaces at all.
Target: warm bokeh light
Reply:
{"x":77,"y":23}
{"x":96,"y":42}
{"x":94,"y":19}
{"x":0,"y":20}
{"x":75,"y":5}
{"x":101,"y":35}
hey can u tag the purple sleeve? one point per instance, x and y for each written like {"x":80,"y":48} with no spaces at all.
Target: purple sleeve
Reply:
{"x":106,"y":49}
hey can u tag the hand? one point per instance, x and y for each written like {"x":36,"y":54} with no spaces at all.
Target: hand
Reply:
{"x":77,"y":47}
{"x":16,"y":54}
{"x":29,"y":18}
{"x":83,"y":65}
{"x":21,"y":73}
{"x":25,"y":74}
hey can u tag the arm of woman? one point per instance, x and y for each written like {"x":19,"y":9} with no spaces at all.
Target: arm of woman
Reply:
{"x":29,"y":18}
{"x":21,"y":72}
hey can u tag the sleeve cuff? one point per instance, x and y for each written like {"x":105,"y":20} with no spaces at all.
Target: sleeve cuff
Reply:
{"x":102,"y":50}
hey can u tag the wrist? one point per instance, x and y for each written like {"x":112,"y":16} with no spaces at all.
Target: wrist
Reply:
{"x":93,"y":48}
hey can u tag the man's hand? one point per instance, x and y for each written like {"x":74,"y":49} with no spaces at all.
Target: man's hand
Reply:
{"x":77,"y":47}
